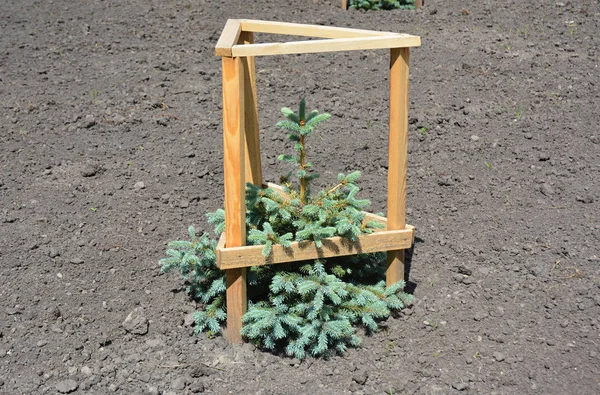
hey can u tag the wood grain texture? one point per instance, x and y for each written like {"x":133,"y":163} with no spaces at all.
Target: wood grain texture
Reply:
{"x":418,"y":4}
{"x":328,"y":45}
{"x":234,"y":151}
{"x":237,"y":303}
{"x":397,"y":156}
{"x":228,"y":38}
{"x":253,"y":169}
{"x":236,"y":257}
{"x":235,"y":207}
{"x":303,"y":30}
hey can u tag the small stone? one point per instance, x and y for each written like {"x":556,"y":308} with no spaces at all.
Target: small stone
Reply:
{"x":76,"y":261}
{"x":498,"y":356}
{"x":139,"y":185}
{"x":544,"y":157}
{"x":480,"y":315}
{"x":360,"y":376}
{"x":546,"y":189}
{"x":565,"y":323}
{"x":136,"y":322}
{"x":184,"y":203}
{"x":446,"y":181}
{"x":460,"y":386}
{"x":483,"y":270}
{"x":595,"y":139}
{"x":464,"y":270}
{"x":474,"y":138}
{"x":528,"y":136}
{"x":89,"y":121}
{"x":89,"y":170}
{"x":197,"y":387}
{"x":86,"y":370}
{"x":179,"y":383}
{"x":585,"y":199}
{"x":200,"y":371}
{"x":188,"y":320}
{"x":53,"y":253}
{"x":67,"y":386}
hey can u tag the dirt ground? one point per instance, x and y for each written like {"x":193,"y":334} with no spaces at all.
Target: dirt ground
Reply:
{"x":111,"y":145}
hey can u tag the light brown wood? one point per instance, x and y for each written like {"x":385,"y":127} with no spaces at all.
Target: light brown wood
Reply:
{"x":236,"y":257}
{"x":228,"y":38}
{"x":397,"y":156}
{"x":235,"y":207}
{"x":253,"y":171}
{"x":302,"y":30}
{"x":236,"y":303}
{"x":418,"y":4}
{"x":345,"y":4}
{"x":327,"y":45}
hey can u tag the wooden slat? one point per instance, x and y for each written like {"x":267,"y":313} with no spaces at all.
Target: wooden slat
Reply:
{"x":345,"y":4}
{"x":235,"y":207}
{"x":253,"y":163}
{"x":298,"y":29}
{"x":237,"y":257}
{"x":397,"y":157}
{"x":229,"y":37}
{"x":418,"y":4}
{"x":327,"y":45}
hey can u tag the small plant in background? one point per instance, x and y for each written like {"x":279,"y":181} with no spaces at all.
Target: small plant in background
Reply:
{"x":311,"y":308}
{"x":519,"y":112}
{"x":382,"y":4}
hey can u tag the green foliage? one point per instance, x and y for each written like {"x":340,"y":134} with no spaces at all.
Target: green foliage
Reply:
{"x":382,"y":4}
{"x":196,"y":261}
{"x":308,"y":308}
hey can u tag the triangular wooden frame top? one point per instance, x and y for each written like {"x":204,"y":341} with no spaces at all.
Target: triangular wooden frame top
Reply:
{"x":332,"y":39}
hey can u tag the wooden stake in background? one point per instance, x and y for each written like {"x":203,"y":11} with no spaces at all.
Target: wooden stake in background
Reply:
{"x":397,"y":157}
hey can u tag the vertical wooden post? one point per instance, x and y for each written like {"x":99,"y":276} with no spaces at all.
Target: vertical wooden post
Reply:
{"x":253,"y":163}
{"x":397,"y":157}
{"x":235,"y":207}
{"x":344,"y":4}
{"x":418,"y":4}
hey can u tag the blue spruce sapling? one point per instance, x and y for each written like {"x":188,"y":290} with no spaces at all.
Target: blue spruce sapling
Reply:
{"x":309,"y":308}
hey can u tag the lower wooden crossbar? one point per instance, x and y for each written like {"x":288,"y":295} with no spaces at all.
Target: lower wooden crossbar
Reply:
{"x":385,"y":240}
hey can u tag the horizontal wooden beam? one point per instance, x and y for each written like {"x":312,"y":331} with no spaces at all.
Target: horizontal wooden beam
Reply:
{"x":229,"y":37}
{"x":298,"y":29}
{"x":327,"y":45}
{"x":237,"y":257}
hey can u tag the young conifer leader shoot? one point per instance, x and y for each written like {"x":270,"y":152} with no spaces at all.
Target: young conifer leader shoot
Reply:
{"x":301,"y":127}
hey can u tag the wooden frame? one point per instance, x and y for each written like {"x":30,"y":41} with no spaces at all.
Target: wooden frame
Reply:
{"x":242,"y":151}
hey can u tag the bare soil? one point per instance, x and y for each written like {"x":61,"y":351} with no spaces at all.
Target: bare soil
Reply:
{"x":110,"y":129}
